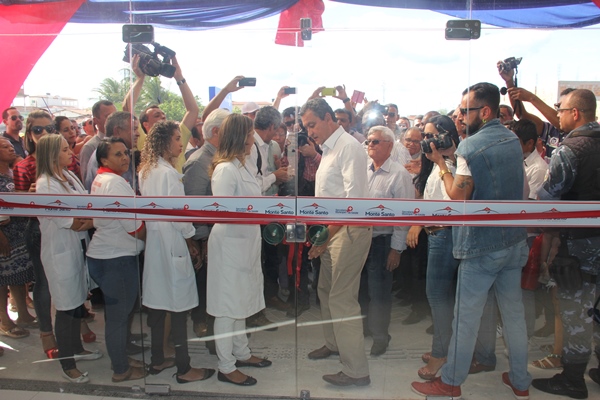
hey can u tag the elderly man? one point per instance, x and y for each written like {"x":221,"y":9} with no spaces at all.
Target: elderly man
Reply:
{"x":573,"y":176}
{"x":386,"y":179}
{"x":490,"y":257}
{"x":341,"y":174}
{"x":412,"y":141}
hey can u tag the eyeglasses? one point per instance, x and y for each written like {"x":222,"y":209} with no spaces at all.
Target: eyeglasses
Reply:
{"x":290,"y":123}
{"x":465,"y":111}
{"x":16,"y":117}
{"x":37,"y":130}
{"x":560,"y":110}
{"x":391,"y":114}
{"x":375,"y":142}
{"x":412,"y":141}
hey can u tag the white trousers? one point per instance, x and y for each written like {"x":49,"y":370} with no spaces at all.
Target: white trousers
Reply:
{"x":231,"y":342}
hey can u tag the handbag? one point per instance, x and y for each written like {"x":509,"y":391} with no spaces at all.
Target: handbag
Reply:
{"x":566,"y":271}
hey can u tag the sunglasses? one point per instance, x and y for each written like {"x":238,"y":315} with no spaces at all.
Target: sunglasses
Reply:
{"x":391,"y":114}
{"x":90,"y":122}
{"x":375,"y":142}
{"x":37,"y":130}
{"x":465,"y":111}
{"x":290,"y":123}
{"x":16,"y":117}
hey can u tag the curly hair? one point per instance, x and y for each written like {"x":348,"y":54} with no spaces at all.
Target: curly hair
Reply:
{"x":158,"y":143}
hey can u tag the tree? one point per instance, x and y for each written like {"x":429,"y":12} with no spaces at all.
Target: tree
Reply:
{"x":112,"y":90}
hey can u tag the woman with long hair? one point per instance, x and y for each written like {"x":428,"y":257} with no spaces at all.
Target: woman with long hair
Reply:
{"x":64,"y":126}
{"x":39,"y":124}
{"x":62,"y":255}
{"x":169,"y":285}
{"x":112,"y":258}
{"x":441,"y":265}
{"x":235,"y":279}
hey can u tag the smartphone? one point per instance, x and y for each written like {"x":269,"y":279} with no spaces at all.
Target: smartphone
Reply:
{"x":138,"y":33}
{"x":358,"y":97}
{"x":290,"y":90}
{"x":247,"y":82}
{"x":463,"y":29}
{"x":328,"y":92}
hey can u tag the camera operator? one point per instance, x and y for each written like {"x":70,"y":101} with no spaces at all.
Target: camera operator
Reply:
{"x":154,"y":114}
{"x":549,"y":131}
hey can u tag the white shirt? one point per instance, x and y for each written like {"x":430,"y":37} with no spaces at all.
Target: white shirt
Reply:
{"x":400,"y":154}
{"x":112,"y":238}
{"x":343,"y":168}
{"x":265,"y":178}
{"x":391,"y":181}
{"x":535,"y":170}
{"x":434,"y":187}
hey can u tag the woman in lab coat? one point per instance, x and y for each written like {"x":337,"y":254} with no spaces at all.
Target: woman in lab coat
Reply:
{"x":168,"y":284}
{"x":235,"y":279}
{"x":62,"y":254}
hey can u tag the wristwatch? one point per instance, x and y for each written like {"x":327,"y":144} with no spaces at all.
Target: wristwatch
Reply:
{"x":181,"y":82}
{"x":347,"y":99}
{"x":444,"y":172}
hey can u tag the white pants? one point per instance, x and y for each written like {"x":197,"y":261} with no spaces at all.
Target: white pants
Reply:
{"x":231,"y":342}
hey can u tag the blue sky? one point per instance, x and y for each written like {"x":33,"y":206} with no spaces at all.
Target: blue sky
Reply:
{"x":393,"y":55}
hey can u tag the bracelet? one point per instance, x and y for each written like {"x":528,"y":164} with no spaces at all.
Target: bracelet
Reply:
{"x":444,"y":172}
{"x":181,"y":82}
{"x":347,"y":99}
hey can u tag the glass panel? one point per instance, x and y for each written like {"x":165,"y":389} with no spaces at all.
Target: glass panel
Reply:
{"x":399,"y":58}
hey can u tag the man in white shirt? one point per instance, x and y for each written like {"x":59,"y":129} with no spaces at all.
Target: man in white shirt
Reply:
{"x":341,"y":174}
{"x":535,"y":166}
{"x":386,"y":179}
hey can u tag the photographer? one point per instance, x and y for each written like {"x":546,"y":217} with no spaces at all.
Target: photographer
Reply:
{"x":549,"y":132}
{"x":154,"y":114}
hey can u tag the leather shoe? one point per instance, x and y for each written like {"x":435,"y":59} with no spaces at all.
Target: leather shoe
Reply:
{"x":295,"y":312}
{"x":413,"y":318}
{"x":341,"y":379}
{"x":132,"y":349}
{"x":258,"y":321}
{"x":380,"y":347}
{"x":248,"y":382}
{"x":321,"y":353}
{"x":261,"y":364}
{"x":477,"y":367}
{"x":276,"y":303}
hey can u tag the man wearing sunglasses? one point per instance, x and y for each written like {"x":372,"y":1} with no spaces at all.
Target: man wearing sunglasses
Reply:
{"x":489,"y":168}
{"x":13,"y":120}
{"x":573,"y":176}
{"x":391,"y":120}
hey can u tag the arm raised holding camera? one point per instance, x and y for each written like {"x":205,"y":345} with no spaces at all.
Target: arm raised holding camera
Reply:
{"x":134,"y":91}
{"x":216,"y":101}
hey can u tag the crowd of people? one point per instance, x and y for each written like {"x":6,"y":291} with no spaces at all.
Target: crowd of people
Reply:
{"x":224,"y":275}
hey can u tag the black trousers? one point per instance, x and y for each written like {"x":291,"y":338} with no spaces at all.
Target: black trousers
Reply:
{"x":156,"y":322}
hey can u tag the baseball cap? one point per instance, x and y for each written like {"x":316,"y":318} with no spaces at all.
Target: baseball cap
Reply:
{"x":250,"y":107}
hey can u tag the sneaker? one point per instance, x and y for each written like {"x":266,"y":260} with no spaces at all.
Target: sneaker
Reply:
{"x":519,"y":394}
{"x":436,"y":388}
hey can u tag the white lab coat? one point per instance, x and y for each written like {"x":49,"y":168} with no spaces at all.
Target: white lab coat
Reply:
{"x":168,"y":282}
{"x":62,"y":254}
{"x":235,"y":279}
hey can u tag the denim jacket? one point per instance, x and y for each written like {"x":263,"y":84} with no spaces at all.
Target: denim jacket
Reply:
{"x":495,"y":158}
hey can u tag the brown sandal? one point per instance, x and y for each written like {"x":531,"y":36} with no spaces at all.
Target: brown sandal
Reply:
{"x":131,"y":374}
{"x":551,"y":361}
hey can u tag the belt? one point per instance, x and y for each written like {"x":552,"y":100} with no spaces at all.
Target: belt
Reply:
{"x":430,"y":230}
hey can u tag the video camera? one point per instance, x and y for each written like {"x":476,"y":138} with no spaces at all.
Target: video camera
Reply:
{"x":509,"y":63}
{"x":150,"y":63}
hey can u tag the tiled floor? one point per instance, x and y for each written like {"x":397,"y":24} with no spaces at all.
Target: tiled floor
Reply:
{"x":24,"y":368}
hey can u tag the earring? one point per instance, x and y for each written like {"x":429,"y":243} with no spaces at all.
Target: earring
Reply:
{"x":484,"y":121}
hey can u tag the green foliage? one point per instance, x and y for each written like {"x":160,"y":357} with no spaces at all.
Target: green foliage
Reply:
{"x":152,"y":93}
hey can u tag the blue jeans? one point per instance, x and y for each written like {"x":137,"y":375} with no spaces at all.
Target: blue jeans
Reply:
{"x":441,"y":269}
{"x":118,"y":279}
{"x":379,"y":283}
{"x":500,"y":270}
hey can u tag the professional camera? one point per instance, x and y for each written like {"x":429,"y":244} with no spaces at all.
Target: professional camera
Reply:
{"x":150,"y":64}
{"x":509,"y":63}
{"x":442,"y":141}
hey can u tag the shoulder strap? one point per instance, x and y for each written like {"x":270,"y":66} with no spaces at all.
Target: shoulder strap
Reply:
{"x":258,"y":159}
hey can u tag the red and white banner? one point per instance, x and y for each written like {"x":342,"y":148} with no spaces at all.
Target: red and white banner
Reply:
{"x":310,"y":210}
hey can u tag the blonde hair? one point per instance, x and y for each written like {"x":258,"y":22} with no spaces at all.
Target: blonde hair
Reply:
{"x":29,"y":143}
{"x":158,"y":143}
{"x":46,"y":160}
{"x":232,"y":139}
